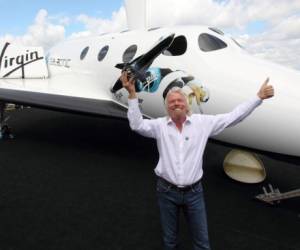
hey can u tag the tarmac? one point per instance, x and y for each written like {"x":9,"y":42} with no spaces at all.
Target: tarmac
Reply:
{"x":69,"y":181}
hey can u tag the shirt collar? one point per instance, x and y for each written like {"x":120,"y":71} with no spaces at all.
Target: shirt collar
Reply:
{"x":188,"y":120}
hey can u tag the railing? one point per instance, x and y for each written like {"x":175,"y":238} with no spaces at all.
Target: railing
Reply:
{"x":276,"y":196}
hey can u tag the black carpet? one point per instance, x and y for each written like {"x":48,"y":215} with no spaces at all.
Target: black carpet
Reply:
{"x":76,"y":182}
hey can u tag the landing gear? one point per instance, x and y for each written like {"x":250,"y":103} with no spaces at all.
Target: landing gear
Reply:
{"x":5,"y":130}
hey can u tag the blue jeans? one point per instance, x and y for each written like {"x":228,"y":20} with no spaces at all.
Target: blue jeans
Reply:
{"x":170,"y":202}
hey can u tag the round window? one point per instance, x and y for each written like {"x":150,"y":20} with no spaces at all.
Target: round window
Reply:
{"x":84,"y":52}
{"x":102,"y":53}
{"x":129,"y":53}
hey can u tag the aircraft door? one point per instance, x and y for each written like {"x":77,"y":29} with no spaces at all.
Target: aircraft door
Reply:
{"x":158,"y":81}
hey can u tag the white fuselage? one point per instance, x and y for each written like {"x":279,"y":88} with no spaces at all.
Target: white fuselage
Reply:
{"x":230,"y":74}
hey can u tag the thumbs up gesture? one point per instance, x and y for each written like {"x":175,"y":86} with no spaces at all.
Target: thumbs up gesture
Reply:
{"x":266,"y":91}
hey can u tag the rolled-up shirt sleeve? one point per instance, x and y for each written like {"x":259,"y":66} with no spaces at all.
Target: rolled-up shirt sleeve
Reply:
{"x":142,"y":126}
{"x":222,"y":121}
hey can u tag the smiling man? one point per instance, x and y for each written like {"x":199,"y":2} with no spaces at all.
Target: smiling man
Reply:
{"x":181,"y":139}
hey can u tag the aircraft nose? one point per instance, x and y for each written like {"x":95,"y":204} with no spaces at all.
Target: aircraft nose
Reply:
{"x":275,"y":125}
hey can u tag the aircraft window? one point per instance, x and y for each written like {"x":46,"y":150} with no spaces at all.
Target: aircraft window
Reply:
{"x":220,"y":32}
{"x":208,"y":42}
{"x":156,"y":28}
{"x":102,"y":53}
{"x":102,"y":34}
{"x":236,"y":42}
{"x":177,"y":48}
{"x":84,"y":52}
{"x":129,"y":53}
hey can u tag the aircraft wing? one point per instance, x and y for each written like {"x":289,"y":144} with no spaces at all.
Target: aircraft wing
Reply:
{"x":73,"y":93}
{"x":25,"y":80}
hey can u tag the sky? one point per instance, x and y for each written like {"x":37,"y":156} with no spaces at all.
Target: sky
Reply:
{"x":266,"y":28}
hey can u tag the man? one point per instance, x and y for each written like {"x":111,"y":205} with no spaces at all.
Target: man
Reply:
{"x":181,"y":140}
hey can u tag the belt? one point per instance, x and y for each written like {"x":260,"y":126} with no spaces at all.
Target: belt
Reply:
{"x":182,"y":189}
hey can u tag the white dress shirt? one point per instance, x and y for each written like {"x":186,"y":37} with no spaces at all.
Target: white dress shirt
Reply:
{"x":180,"y":153}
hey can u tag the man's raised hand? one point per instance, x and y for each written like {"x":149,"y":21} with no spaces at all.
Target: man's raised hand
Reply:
{"x":128,"y":84}
{"x":266,"y":91}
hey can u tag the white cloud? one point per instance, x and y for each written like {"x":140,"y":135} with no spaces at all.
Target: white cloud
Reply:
{"x":278,"y":42}
{"x":99,"y":25}
{"x":64,"y":21}
{"x":289,"y":28}
{"x":75,"y":35}
{"x":41,"y":33}
{"x":223,"y":14}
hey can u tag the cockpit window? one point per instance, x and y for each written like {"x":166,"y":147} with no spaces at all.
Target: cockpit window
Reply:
{"x":237,"y":43}
{"x":220,"y":32}
{"x":84,"y":52}
{"x":208,"y":42}
{"x":177,"y":48}
{"x":129,"y":53}
{"x":102,"y":53}
{"x":155,"y":28}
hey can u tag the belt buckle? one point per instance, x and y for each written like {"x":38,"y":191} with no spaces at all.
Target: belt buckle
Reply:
{"x":188,"y":187}
{"x":184,"y":189}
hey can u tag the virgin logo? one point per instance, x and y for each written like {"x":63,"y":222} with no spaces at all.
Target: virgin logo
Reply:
{"x":11,"y":64}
